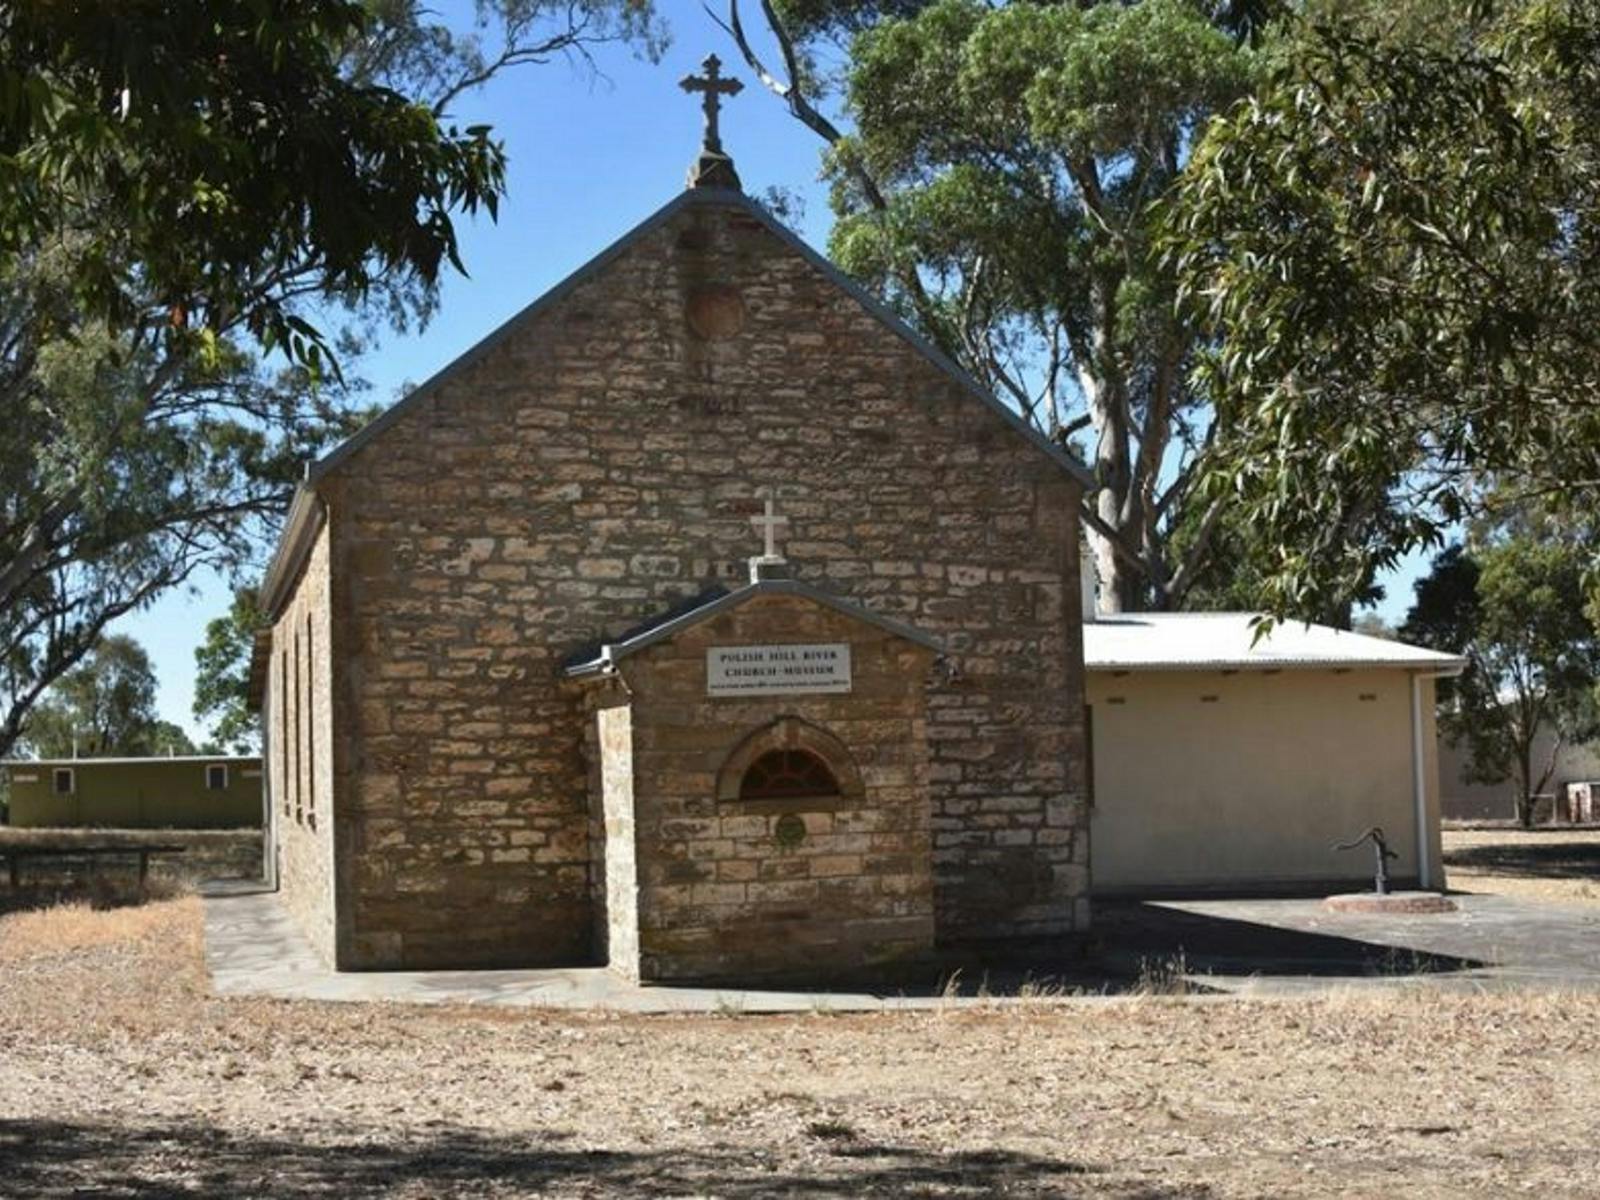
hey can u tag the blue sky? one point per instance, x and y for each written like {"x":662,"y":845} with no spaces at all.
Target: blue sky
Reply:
{"x":588,"y":159}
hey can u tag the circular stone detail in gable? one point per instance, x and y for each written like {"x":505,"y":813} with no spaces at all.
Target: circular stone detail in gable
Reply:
{"x":715,"y":311}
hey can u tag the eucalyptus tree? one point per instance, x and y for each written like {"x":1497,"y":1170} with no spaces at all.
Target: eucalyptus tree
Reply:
{"x":1510,"y":600}
{"x":1393,"y":248}
{"x":997,"y":175}
{"x":181,"y":188}
{"x":105,"y":706}
{"x":222,"y":674}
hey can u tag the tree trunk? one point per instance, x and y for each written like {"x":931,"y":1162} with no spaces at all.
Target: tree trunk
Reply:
{"x":1120,"y":584}
{"x":1525,"y":797}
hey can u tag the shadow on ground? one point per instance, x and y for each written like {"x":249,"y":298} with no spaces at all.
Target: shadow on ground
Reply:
{"x":1531,"y":860}
{"x":1201,"y":943}
{"x":1140,"y":948}
{"x":44,"y":1158}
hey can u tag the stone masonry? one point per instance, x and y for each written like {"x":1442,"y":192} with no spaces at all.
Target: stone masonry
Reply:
{"x":615,"y":837}
{"x":721,"y":890}
{"x":598,"y":460}
{"x":299,"y":769}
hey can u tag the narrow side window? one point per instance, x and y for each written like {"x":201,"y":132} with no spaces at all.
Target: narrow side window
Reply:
{"x":311,"y":723}
{"x":299,"y":744}
{"x":283,"y":728}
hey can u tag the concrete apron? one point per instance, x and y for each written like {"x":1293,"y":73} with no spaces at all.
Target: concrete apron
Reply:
{"x":253,"y":948}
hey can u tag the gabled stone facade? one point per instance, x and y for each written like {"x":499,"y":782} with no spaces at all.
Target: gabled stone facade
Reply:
{"x":598,"y":459}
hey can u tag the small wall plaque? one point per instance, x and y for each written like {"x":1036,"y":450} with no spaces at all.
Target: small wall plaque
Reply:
{"x":789,"y":670}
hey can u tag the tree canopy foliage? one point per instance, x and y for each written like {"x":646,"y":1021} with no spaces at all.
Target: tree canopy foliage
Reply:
{"x":1393,"y":249}
{"x":214,"y":160}
{"x":105,"y":707}
{"x":222,"y":674}
{"x":1000,"y":186}
{"x":1510,"y":601}
{"x":181,"y":186}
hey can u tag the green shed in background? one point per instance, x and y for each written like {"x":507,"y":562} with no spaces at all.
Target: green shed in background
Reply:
{"x":135,"y":793}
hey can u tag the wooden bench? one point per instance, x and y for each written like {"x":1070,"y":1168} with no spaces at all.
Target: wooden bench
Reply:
{"x":15,"y":855}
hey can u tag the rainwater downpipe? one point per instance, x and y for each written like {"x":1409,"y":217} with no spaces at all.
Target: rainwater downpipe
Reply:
{"x":1419,"y":774}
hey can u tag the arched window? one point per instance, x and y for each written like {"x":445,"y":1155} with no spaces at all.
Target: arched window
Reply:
{"x":788,"y":775}
{"x":790,"y":765}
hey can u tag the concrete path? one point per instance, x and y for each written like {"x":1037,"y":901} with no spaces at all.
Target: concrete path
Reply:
{"x":1218,"y":948}
{"x":1277,"y":947}
{"x":254,"y":949}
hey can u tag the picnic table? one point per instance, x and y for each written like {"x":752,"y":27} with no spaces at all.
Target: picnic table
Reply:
{"x":15,"y":854}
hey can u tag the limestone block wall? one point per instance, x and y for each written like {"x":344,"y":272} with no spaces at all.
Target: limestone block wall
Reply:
{"x":614,"y":728}
{"x":458,"y":848}
{"x":722,"y":892}
{"x":599,"y":461}
{"x":299,"y":744}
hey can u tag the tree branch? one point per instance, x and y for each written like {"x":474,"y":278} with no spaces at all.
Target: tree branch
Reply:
{"x":803,"y":110}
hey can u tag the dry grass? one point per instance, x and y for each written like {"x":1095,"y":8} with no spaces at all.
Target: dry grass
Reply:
{"x":88,"y":917}
{"x":122,"y":1073}
{"x":1557,"y":866}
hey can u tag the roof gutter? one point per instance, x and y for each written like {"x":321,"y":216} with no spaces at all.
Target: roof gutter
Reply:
{"x":1419,"y":775}
{"x":306,"y":515}
{"x":1285,"y":664}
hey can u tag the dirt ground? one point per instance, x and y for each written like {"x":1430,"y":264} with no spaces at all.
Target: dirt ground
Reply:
{"x":1560,"y":866}
{"x":121,"y":1075}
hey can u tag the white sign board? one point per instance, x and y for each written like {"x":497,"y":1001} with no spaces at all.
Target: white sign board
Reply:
{"x":790,"y":670}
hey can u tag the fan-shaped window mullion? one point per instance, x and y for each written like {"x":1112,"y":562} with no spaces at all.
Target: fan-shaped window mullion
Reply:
{"x":788,"y":774}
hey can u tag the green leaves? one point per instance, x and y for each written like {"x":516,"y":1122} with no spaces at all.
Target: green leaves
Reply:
{"x":1390,"y":250}
{"x":105,"y":707}
{"x":1099,"y":81}
{"x":202,"y":153}
{"x":1512,"y":602}
{"x":1117,"y":72}
{"x":222,"y":674}
{"x":180,"y":185}
{"x":1017,"y":157}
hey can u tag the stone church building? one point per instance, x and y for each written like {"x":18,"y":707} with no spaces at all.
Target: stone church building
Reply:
{"x":702,"y":620}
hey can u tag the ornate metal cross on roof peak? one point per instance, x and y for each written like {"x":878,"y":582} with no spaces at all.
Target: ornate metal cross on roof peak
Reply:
{"x":714,"y":168}
{"x":714,"y":87}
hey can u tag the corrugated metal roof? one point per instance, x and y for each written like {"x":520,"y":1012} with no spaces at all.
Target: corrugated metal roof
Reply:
{"x":1226,"y":641}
